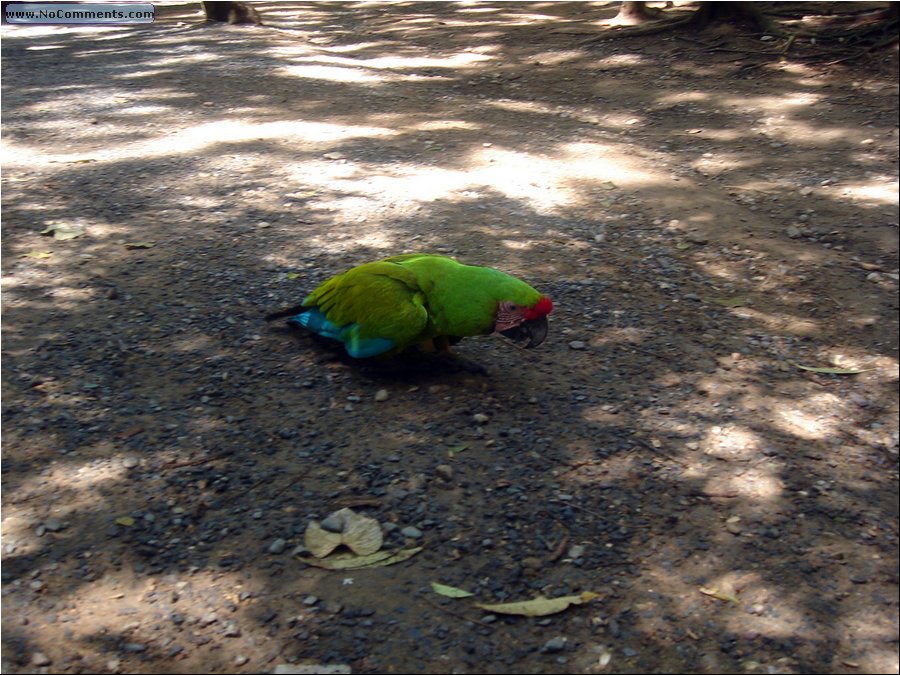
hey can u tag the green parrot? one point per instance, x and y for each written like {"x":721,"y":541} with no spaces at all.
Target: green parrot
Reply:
{"x":418,"y":299}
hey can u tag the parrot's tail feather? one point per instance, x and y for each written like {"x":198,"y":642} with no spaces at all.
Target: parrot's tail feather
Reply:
{"x":291,"y":311}
{"x":315,"y":321}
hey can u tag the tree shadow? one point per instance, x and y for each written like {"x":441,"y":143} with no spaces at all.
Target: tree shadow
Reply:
{"x":258,"y":163}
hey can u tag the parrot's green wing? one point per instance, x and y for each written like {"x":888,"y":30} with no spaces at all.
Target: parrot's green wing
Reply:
{"x":376,"y":308}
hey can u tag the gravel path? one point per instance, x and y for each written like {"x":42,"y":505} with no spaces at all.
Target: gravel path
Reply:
{"x":703,"y":229}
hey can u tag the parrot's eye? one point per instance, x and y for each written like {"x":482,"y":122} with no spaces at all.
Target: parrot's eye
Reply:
{"x":513,"y":308}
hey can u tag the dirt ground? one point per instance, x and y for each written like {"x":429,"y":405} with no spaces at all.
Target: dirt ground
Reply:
{"x":708,"y":220}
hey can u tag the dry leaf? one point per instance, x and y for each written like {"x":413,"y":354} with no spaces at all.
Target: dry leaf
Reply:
{"x":126,"y":521}
{"x":540,"y":606}
{"x":731,"y":302}
{"x":40,"y":255}
{"x":320,"y":542}
{"x":62,"y":232}
{"x":719,"y":595}
{"x":450,"y":591}
{"x":349,"y":561}
{"x":361,"y":534}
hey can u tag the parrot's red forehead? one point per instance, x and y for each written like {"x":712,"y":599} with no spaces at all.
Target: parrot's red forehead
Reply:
{"x":541,"y":308}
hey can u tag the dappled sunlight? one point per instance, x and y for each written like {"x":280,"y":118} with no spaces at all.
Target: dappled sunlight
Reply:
{"x":200,"y":136}
{"x":622,"y":61}
{"x":774,"y":104}
{"x":507,"y":172}
{"x":76,"y":490}
{"x":808,"y":421}
{"x":887,"y":193}
{"x":704,"y":221}
{"x":731,"y":442}
{"x":337,"y":74}
{"x":460,"y":60}
{"x":760,"y":485}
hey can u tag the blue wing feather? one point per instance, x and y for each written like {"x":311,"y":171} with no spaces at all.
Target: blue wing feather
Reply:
{"x":358,"y":347}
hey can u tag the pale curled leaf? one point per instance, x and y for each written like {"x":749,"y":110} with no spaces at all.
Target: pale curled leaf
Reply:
{"x":348,"y":561}
{"x":140,"y":244}
{"x":361,"y":534}
{"x":40,"y":255}
{"x":62,"y":232}
{"x":450,"y":591}
{"x":540,"y":606}
{"x":831,"y":371}
{"x":319,"y":541}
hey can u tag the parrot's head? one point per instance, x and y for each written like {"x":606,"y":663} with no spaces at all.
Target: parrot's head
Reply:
{"x":521,"y":322}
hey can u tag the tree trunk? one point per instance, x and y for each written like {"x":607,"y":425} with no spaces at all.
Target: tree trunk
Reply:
{"x":231,"y":12}
{"x":634,"y":12}
{"x":732,"y":12}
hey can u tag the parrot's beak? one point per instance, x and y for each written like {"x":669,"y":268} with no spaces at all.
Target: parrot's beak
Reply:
{"x":535,"y":331}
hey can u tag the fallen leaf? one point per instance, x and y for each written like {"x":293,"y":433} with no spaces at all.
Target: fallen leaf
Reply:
{"x":292,"y":275}
{"x":319,"y":541}
{"x":450,"y":591}
{"x":719,"y":595}
{"x":361,"y":534}
{"x":731,"y":302}
{"x":126,"y":521}
{"x":140,"y":244}
{"x":40,"y":255}
{"x":456,"y":449}
{"x":348,"y":561}
{"x":540,"y":606}
{"x":81,"y":161}
{"x":62,"y":232}
{"x":832,"y":371}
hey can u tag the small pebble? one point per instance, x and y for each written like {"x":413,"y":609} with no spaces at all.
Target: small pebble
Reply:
{"x":554,"y":645}
{"x":577,"y":344}
{"x":480,"y":418}
{"x":208,"y":618}
{"x":697,"y":238}
{"x":277,"y":546}
{"x":54,"y":524}
{"x":444,"y":472}
{"x":40,"y":659}
{"x":130,"y":462}
{"x":411,"y":532}
{"x":231,"y":629}
{"x":576,"y":551}
{"x":381,"y":395}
